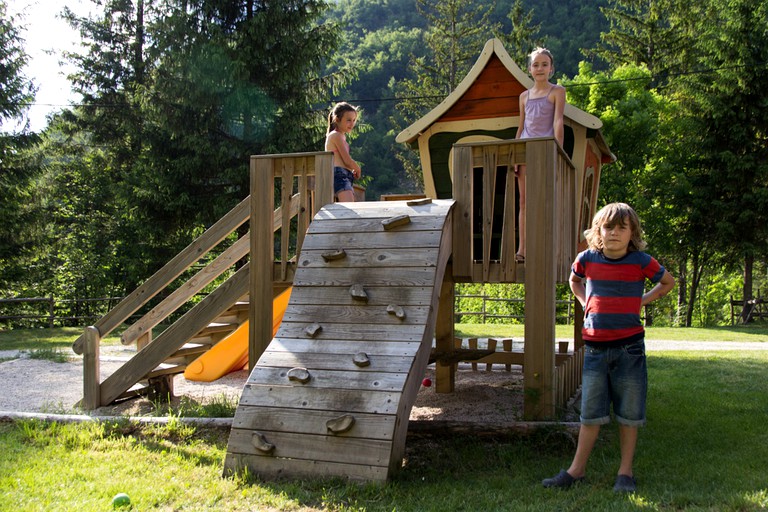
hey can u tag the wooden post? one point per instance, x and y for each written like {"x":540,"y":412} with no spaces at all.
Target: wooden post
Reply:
{"x":445,"y":374}
{"x":262,"y":257}
{"x":540,"y":278}
{"x":91,"y":369}
{"x":462,"y":216}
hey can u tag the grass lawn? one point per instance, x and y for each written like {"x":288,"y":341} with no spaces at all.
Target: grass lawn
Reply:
{"x":705,"y":448}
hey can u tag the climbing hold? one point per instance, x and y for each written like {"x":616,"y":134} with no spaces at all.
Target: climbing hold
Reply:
{"x":394,"y":222}
{"x":313,"y":330}
{"x":260,"y":443}
{"x":396,"y":310}
{"x":419,"y":202}
{"x":358,"y":292}
{"x":361,"y":359}
{"x":341,"y":424}
{"x":334,"y":255}
{"x":299,"y":375}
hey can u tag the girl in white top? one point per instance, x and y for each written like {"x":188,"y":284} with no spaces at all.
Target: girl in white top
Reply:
{"x":541,"y":115}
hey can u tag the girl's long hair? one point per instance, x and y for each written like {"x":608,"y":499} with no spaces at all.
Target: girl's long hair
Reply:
{"x":337,"y":112}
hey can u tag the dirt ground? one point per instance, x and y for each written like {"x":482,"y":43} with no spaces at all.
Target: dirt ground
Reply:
{"x":490,"y":397}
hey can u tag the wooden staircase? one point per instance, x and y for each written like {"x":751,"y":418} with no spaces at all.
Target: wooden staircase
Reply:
{"x":160,"y":357}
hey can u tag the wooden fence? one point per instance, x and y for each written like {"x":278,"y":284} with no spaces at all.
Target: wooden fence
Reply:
{"x":52,"y":312}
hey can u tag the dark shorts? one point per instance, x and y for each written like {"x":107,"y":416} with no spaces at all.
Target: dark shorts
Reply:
{"x":342,"y":179}
{"x":617,"y":376}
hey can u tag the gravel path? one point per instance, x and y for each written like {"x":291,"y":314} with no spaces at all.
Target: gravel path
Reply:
{"x":31,"y":385}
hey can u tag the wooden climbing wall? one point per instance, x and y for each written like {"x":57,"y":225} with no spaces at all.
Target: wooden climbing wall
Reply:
{"x":332,"y":394}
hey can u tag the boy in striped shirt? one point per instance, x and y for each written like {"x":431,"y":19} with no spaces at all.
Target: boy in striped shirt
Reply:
{"x":608,"y":279}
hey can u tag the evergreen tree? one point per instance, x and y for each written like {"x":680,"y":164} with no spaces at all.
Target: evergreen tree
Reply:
{"x":726,"y":108}
{"x":655,"y":33}
{"x":457,"y":31}
{"x":523,"y":36}
{"x":17,"y":215}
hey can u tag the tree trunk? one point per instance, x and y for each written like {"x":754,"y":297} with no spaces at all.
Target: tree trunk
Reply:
{"x":682,"y":289}
{"x":749,"y":261}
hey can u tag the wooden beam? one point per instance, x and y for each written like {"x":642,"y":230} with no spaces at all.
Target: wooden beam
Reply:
{"x":540,"y":278}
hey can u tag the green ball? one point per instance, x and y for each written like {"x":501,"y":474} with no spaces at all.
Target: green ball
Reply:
{"x":121,"y":500}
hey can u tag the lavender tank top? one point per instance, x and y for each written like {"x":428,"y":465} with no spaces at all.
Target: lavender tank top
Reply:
{"x":539,"y":118}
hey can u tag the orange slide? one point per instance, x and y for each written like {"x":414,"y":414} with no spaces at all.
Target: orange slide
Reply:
{"x":231,"y":353}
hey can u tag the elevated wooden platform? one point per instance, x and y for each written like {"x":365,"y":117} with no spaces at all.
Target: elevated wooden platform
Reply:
{"x":332,"y":393}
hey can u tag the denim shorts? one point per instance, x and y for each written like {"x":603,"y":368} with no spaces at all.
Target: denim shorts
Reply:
{"x":342,"y":179}
{"x":614,"y":375}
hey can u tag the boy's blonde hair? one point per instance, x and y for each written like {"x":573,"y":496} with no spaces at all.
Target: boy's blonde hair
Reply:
{"x":611,"y":215}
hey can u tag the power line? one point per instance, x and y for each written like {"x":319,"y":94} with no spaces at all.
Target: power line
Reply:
{"x":652,"y":78}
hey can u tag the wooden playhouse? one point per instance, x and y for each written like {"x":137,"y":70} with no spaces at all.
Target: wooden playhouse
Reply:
{"x":330,"y":390}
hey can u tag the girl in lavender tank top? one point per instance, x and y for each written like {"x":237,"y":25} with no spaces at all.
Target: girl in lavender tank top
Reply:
{"x":541,"y":115}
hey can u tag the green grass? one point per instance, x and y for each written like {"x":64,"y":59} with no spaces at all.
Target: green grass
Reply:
{"x":63,"y":337}
{"x":751,"y":332}
{"x":56,"y":338}
{"x":705,"y":448}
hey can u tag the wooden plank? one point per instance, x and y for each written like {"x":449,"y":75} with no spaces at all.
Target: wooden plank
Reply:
{"x":338,"y":347}
{"x":91,"y":369}
{"x":462,"y":222}
{"x":312,"y":398}
{"x":377,"y":295}
{"x":373,"y":426}
{"x":410,"y":276}
{"x":390,"y":257}
{"x":445,"y":374}
{"x":357,"y":313}
{"x":326,"y":448}
{"x":381,"y":240}
{"x":362,"y":333}
{"x":323,"y":181}
{"x":275,"y":468}
{"x":377,"y":210}
{"x":286,"y":191}
{"x":509,"y":231}
{"x":337,"y":362}
{"x":490,"y":158}
{"x":540,"y":296}
{"x":373,"y":225}
{"x":331,"y":379}
{"x":304,"y":218}
{"x":261,"y":259}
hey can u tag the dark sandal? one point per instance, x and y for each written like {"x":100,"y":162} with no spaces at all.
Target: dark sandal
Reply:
{"x":563,"y":480}
{"x":625,"y":483}
{"x":519,"y":258}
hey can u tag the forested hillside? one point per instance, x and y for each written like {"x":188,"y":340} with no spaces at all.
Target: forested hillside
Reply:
{"x":381,"y":38}
{"x":177,"y":95}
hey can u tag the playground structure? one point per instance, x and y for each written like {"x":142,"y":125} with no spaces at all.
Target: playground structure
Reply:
{"x":330,"y":392}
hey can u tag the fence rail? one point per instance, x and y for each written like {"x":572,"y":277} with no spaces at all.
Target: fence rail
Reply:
{"x":564,"y":309}
{"x":52,"y":312}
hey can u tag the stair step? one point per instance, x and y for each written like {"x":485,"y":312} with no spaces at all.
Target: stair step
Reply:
{"x":191,"y":349}
{"x":218,"y":327}
{"x":166,"y":369}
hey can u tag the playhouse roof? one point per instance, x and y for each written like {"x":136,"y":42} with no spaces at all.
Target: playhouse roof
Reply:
{"x":492,"y":48}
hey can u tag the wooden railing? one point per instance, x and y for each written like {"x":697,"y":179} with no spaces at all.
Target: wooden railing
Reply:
{"x":307,"y":177}
{"x":485,"y":241}
{"x":485,"y":190}
{"x":300,"y":175}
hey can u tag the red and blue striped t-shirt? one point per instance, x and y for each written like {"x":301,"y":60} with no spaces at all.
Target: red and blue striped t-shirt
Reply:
{"x":614,"y":293}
